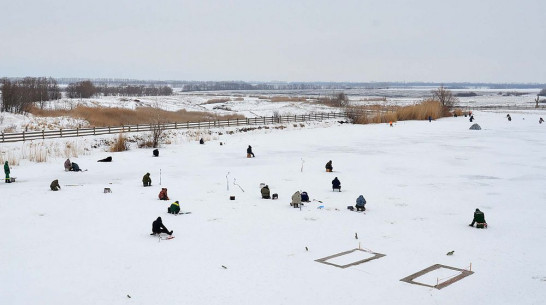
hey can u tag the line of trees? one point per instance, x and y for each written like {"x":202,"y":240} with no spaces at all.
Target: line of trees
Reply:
{"x":19,"y":95}
{"x":131,"y":90}
{"x":86,"y":89}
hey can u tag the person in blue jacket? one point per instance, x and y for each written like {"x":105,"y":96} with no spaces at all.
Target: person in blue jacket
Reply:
{"x":360,"y":203}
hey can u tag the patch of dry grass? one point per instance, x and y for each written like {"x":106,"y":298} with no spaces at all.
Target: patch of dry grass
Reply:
{"x":288,"y":99}
{"x":217,"y":100}
{"x":379,"y":114}
{"x":103,"y":116}
{"x":120,"y":144}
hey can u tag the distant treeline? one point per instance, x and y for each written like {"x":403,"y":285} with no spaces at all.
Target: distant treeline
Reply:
{"x":241,"y":85}
{"x":86,"y":89}
{"x":18,"y":95}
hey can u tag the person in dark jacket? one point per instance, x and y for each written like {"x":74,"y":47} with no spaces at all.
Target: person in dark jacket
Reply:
{"x":67,"y":165}
{"x":360,"y":203}
{"x":174,"y":208}
{"x":541,"y":120}
{"x":329,"y":167}
{"x":471,"y":118}
{"x":249,"y":151}
{"x":7,"y":171}
{"x":163,"y":194}
{"x":146,"y":180}
{"x":107,"y":159}
{"x":509,"y":117}
{"x":304,"y":197}
{"x":156,"y":152}
{"x":336,"y":184}
{"x":158,"y":227}
{"x":430,"y":118}
{"x":75,"y":167}
{"x":55,"y":185}
{"x":201,"y":141}
{"x":479,"y":220}
{"x":266,"y":194}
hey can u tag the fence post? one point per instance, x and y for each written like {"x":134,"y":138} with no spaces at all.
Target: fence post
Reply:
{"x":237,"y":122}
{"x":3,"y":136}
{"x":137,"y":127}
{"x":23,"y":136}
{"x":43,"y":134}
{"x":108,"y":129}
{"x":175,"y":125}
{"x":60,"y":132}
{"x":228,"y":123}
{"x":264,"y":120}
{"x":77,"y":131}
{"x":187,"y":125}
{"x":94,"y":131}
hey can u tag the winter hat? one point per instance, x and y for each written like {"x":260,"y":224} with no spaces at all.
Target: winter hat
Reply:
{"x":478,"y":210}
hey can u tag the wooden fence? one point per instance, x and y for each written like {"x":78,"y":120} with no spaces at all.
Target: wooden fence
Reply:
{"x":81,"y":132}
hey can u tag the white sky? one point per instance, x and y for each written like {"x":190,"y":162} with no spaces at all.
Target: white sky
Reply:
{"x":394,"y":40}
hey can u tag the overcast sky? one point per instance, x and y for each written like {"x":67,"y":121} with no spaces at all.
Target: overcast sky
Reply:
{"x":253,"y":40}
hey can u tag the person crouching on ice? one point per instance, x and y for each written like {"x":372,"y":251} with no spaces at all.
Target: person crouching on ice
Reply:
{"x":163,"y":194}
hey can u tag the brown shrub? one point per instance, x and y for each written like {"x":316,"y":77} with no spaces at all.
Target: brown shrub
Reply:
{"x":120,"y":144}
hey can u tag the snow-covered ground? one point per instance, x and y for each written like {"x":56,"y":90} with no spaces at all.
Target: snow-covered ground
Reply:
{"x":422,"y":182}
{"x":260,"y":103}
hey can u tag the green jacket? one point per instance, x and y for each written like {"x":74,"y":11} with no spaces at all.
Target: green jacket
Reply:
{"x":146,"y":180}
{"x":265,"y":192}
{"x":479,"y":217}
{"x":175,"y":208}
{"x":6,"y":168}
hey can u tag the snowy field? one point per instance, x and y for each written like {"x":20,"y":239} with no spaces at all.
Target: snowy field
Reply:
{"x":422,"y":182}
{"x":263,"y":103}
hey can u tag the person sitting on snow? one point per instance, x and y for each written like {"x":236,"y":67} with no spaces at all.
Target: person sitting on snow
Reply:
{"x":360,"y":203}
{"x":55,"y":185}
{"x":249,"y":151}
{"x":156,"y":152}
{"x":174,"y":208}
{"x":163,"y":194}
{"x":304,"y":197}
{"x":509,"y":117}
{"x":158,"y":227}
{"x":296,"y":199}
{"x":336,"y":184}
{"x":329,"y":167}
{"x":67,"y":165}
{"x":201,"y":141}
{"x":75,"y":167}
{"x":266,"y":194}
{"x":146,"y":180}
{"x":479,"y":220}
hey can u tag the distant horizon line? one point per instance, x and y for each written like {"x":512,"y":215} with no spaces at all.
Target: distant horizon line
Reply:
{"x":121,"y":79}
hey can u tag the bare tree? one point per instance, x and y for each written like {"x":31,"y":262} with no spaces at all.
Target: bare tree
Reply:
{"x":445,"y":97}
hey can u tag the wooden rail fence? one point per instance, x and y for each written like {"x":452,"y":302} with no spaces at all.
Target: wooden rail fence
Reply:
{"x":81,"y":132}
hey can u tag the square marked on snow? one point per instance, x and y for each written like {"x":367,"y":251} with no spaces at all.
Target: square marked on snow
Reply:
{"x":437,"y":276}
{"x":349,"y":258}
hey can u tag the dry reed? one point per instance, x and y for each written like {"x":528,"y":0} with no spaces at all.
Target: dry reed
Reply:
{"x":120,"y":144}
{"x":103,"y":116}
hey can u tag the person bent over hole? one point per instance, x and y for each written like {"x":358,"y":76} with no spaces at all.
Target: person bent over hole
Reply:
{"x":336,"y":184}
{"x":479,"y":220}
{"x":360,"y":203}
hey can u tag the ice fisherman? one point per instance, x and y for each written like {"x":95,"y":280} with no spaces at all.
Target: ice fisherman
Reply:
{"x":156,"y":152}
{"x":336,"y":184}
{"x":479,"y":220}
{"x":163,"y":194}
{"x":7,"y":171}
{"x":67,"y":165}
{"x":329,"y":166}
{"x":266,"y":194}
{"x":75,"y":167}
{"x":360,"y":203}
{"x":249,"y":151}
{"x":146,"y":180}
{"x":296,"y":199}
{"x":158,"y":227}
{"x":55,"y":185}
{"x":541,"y":120}
{"x":304,"y":197}
{"x":174,"y":208}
